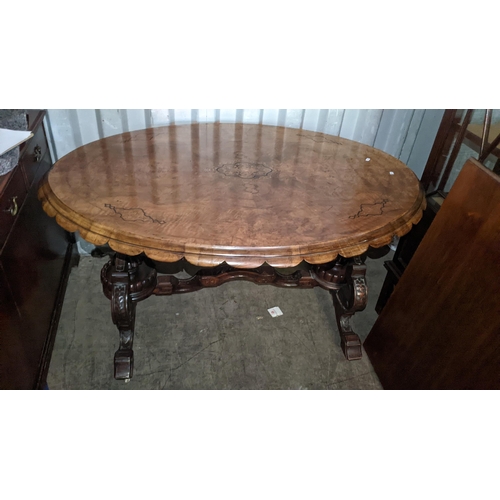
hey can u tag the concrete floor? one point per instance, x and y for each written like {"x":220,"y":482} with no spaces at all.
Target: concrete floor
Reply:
{"x":220,"y":338}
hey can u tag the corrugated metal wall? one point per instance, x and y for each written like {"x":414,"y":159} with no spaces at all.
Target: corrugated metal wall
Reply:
{"x":407,"y":134}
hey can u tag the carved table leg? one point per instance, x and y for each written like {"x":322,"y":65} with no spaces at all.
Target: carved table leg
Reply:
{"x":348,"y":299}
{"x":125,"y":281}
{"x":123,"y":315}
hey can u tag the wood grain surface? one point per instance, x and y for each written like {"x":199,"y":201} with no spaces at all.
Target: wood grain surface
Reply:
{"x":234,"y":193}
{"x":440,"y":328}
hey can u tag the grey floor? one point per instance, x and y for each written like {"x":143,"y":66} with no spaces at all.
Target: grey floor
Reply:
{"x":220,"y":338}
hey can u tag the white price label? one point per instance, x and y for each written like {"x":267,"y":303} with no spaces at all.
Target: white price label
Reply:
{"x":275,"y":311}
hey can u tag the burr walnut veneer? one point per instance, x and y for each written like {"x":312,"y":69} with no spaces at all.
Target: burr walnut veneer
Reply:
{"x":238,"y":199}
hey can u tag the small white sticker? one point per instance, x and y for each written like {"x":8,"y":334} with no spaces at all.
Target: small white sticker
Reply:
{"x":391,"y":173}
{"x":368,"y":159}
{"x":275,"y":311}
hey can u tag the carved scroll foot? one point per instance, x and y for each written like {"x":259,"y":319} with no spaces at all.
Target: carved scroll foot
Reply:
{"x":348,"y":299}
{"x":124,"y":364}
{"x":125,"y":281}
{"x":349,"y":341}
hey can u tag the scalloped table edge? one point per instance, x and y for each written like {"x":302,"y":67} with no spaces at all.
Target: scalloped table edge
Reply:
{"x":242,"y":261}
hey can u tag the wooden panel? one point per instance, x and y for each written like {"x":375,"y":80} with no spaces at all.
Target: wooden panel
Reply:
{"x":10,"y":203}
{"x":14,"y":364}
{"x":4,"y":180}
{"x":440,"y":328}
{"x":34,"y":265}
{"x":32,"y":260}
{"x":34,"y":153}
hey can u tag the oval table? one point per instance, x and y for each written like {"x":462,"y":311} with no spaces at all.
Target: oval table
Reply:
{"x":239,"y":200}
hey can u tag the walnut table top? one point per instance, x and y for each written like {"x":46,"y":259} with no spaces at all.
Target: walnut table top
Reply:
{"x":235,"y":193}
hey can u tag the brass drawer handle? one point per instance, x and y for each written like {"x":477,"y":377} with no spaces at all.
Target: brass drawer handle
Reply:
{"x":37,"y":153}
{"x":14,"y":208}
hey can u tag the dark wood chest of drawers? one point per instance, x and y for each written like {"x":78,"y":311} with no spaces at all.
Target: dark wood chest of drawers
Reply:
{"x":35,"y":259}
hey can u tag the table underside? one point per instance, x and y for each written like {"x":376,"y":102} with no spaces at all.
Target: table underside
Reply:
{"x":127,"y":280}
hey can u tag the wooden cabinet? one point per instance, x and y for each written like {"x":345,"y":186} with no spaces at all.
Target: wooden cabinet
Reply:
{"x":35,"y":258}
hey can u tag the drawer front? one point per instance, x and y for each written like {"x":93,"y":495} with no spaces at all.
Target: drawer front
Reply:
{"x":10,"y":203}
{"x":36,"y":149}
